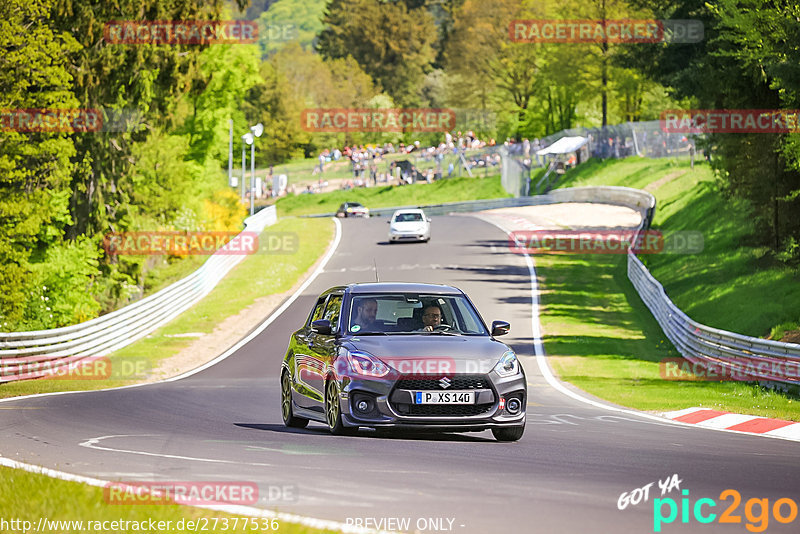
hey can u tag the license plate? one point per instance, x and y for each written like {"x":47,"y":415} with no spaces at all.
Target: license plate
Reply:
{"x":444,"y":397}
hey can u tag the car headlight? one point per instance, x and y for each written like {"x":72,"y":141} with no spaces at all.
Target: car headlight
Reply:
{"x":365,"y":364}
{"x":508,"y":365}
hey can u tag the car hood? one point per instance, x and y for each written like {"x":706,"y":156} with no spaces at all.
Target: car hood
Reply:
{"x":432,"y":353}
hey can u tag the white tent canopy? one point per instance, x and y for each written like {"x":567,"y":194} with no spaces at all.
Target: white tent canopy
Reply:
{"x":565,"y":145}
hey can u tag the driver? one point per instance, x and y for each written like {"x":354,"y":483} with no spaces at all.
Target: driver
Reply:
{"x":367,"y":312}
{"x":431,"y":317}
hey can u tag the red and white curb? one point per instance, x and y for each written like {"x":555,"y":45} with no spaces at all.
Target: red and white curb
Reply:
{"x":735,"y":422}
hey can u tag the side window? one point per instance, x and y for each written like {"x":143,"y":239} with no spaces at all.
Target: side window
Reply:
{"x":332,"y":310}
{"x":316,"y":314}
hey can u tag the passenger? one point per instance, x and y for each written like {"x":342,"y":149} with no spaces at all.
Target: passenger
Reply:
{"x":367,"y":311}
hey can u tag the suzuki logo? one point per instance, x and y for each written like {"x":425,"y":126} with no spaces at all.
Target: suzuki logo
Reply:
{"x":444,"y":382}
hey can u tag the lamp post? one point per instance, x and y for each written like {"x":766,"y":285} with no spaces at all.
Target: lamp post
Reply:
{"x":230,"y":153}
{"x":249,"y":139}
{"x":246,"y":139}
{"x":256,"y":131}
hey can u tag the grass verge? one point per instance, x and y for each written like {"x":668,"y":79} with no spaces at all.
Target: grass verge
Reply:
{"x":63,"y":501}
{"x":257,"y":276}
{"x":601,"y":337}
{"x":448,"y":190}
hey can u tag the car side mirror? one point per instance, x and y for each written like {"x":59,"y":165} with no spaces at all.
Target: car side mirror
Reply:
{"x":321,"y":326}
{"x":500,"y":328}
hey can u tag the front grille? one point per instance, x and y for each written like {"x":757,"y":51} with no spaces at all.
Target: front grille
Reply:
{"x":422,"y":383}
{"x":443,"y":409}
{"x":431,"y":383}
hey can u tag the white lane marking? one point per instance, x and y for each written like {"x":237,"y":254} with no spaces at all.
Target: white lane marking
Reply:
{"x":93,"y":444}
{"x":231,"y":509}
{"x":548,"y":375}
{"x":322,"y":524}
{"x":237,"y":346}
{"x":275,"y":314}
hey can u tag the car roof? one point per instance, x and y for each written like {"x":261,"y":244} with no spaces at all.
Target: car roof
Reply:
{"x":408,"y":210}
{"x":402,"y":287}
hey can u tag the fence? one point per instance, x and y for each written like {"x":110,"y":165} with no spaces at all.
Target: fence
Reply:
{"x":644,"y":139}
{"x":35,"y":354}
{"x":737,"y":355}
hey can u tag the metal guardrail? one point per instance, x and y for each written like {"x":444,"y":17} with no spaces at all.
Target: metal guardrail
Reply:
{"x":737,"y":356}
{"x":729,"y":355}
{"x":35,"y":354}
{"x":621,"y":196}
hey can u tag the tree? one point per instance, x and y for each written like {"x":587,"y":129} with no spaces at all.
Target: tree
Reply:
{"x":391,"y":43}
{"x":749,"y":59}
{"x":35,"y":167}
{"x":486,"y":69}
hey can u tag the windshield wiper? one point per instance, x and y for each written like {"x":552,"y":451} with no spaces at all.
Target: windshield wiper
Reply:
{"x":369,"y":333}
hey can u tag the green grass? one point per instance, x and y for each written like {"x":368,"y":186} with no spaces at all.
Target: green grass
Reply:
{"x":30,"y":496}
{"x":257,"y":276}
{"x":600,"y":336}
{"x":447,"y":190}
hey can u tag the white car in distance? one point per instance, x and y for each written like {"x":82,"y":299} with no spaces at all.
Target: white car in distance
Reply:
{"x":409,"y":225}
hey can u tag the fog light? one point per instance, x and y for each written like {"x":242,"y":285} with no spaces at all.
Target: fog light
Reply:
{"x":362,"y":406}
{"x":513,"y":406}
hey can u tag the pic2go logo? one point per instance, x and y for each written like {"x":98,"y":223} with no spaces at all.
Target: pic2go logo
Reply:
{"x":783,"y":511}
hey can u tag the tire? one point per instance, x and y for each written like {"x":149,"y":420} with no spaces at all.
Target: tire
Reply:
{"x":287,"y":412}
{"x":508,"y":433}
{"x":333,"y":410}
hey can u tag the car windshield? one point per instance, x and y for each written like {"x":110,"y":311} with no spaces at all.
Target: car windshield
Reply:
{"x":406,"y":313}
{"x":407,"y":217}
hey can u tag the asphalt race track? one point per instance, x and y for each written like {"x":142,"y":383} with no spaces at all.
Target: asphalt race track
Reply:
{"x":565,"y":475}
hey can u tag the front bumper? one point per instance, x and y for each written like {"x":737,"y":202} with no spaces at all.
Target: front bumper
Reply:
{"x":389,"y":401}
{"x":409,"y":236}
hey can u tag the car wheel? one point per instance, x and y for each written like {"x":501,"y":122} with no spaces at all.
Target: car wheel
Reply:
{"x":508,"y":433}
{"x":333,"y":412}
{"x":289,"y":418}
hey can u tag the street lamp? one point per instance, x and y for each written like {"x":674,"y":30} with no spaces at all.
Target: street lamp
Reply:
{"x":256,"y":130}
{"x":249,"y":139}
{"x":246,"y":139}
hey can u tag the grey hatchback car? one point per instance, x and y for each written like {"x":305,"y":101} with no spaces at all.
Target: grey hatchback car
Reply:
{"x":402,"y":355}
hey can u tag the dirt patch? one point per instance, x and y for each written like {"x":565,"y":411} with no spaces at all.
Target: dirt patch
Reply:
{"x":791,"y":336}
{"x":566,"y":215}
{"x":661,"y":181}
